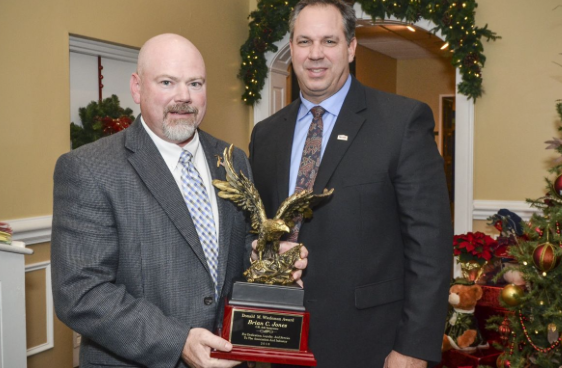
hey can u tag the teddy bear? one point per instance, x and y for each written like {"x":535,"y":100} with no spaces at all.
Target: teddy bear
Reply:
{"x":461,"y":329}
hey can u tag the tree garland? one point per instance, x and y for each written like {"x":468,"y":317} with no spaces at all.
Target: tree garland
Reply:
{"x":453,"y":18}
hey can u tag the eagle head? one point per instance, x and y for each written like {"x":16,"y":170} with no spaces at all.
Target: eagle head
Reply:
{"x":276,"y":226}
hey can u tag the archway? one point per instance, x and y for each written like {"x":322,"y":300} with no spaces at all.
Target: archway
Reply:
{"x":273,"y":99}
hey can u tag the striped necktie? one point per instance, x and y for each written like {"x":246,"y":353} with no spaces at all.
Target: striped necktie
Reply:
{"x":199,"y":205}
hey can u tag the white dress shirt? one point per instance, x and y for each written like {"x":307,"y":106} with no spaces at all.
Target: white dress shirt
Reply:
{"x":171,"y":153}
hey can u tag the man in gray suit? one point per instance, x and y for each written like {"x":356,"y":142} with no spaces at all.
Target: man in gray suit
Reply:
{"x":142,"y":257}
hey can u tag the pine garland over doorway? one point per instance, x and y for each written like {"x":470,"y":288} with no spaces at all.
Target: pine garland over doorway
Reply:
{"x":454,"y":19}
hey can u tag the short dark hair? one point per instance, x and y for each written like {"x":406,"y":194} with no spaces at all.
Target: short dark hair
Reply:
{"x":346,"y":11}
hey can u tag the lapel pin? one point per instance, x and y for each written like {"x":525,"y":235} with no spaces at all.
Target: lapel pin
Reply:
{"x":342,"y":137}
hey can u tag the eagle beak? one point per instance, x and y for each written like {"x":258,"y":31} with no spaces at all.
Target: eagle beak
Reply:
{"x":286,"y":229}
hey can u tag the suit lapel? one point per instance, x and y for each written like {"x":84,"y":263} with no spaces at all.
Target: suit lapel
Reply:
{"x":152,"y":170}
{"x":284,"y":145}
{"x":212,"y":150}
{"x":348,"y":124}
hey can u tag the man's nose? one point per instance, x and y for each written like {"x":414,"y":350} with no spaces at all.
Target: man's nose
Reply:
{"x":183,"y":94}
{"x":316,"y":52}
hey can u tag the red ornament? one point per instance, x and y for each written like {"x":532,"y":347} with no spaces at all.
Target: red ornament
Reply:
{"x":545,"y":258}
{"x":505,"y":331}
{"x":558,"y":185}
{"x":502,"y":362}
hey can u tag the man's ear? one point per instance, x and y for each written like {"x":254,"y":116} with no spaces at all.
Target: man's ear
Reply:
{"x":135,"y":86}
{"x":351,"y":49}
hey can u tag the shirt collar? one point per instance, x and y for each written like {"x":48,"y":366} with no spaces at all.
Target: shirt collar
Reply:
{"x":332,"y":104}
{"x":171,"y":152}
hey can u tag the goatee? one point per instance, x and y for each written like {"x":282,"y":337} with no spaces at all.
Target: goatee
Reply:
{"x":181,"y":129}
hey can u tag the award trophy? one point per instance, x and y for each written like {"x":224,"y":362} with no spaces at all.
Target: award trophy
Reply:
{"x":265,"y":319}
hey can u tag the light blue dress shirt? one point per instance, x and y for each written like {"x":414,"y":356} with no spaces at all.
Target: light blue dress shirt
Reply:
{"x":332,"y":105}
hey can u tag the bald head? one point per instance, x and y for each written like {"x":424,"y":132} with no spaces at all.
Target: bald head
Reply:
{"x":170,"y":86}
{"x":165,"y":46}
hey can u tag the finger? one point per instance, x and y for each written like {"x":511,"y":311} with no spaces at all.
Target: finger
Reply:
{"x":304,"y":252}
{"x":285,"y":246}
{"x":301,"y":264}
{"x":254,"y":244}
{"x":299,"y":283}
{"x":223,"y":363}
{"x":215,"y":342}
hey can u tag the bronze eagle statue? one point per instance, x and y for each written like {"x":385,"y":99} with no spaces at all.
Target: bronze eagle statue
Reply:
{"x":270,"y":267}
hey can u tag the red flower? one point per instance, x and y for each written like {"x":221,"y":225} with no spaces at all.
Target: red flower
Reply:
{"x":476,"y":246}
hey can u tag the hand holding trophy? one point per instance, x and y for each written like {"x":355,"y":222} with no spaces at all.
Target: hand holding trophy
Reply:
{"x":265,"y":320}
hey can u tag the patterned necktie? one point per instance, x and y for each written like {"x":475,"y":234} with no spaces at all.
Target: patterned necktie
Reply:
{"x":310,"y":161}
{"x":199,"y":205}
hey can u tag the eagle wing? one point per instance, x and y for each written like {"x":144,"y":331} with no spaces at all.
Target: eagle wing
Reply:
{"x":300,"y":203}
{"x":240,"y":190}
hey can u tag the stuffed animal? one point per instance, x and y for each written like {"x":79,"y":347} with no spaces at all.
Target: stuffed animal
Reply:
{"x":461,"y":329}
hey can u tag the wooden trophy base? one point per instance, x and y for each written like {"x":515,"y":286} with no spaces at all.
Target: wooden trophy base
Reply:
{"x":246,"y":354}
{"x":266,"y":331}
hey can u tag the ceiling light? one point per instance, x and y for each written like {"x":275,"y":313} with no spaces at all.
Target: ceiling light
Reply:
{"x":411,"y":29}
{"x":445,"y":46}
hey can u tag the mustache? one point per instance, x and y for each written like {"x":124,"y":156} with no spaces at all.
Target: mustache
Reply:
{"x":181,"y":108}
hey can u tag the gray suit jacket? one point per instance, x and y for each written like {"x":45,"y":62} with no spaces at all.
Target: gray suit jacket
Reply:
{"x":381,"y":247}
{"x":128,"y":270}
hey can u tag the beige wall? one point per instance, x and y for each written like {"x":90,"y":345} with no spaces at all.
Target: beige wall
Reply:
{"x":516,"y":114}
{"x":34,"y":95}
{"x":425,"y":80}
{"x":375,"y":69}
{"x":34,"y":118}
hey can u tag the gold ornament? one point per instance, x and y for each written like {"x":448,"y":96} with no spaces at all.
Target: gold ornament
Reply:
{"x":502,"y":360}
{"x":512,"y":294}
{"x":552,"y":333}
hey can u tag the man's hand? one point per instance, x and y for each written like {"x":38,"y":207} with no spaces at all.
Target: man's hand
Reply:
{"x":397,"y":360}
{"x":284,"y":246}
{"x":197,"y":349}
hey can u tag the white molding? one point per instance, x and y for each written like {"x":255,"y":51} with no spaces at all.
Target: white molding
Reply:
{"x":15,"y":247}
{"x":32,"y":230}
{"x":50,"y":343}
{"x":485,"y":208}
{"x":464,"y":161}
{"x":277,"y":63}
{"x":96,"y":48}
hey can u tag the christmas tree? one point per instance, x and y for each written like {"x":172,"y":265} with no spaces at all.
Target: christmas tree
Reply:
{"x":531,"y":329}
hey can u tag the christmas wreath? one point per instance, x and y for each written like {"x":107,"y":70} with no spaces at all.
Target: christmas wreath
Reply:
{"x":100,"y":119}
{"x":454,"y":19}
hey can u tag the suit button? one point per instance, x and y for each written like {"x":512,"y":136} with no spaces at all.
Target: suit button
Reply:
{"x":208,"y":300}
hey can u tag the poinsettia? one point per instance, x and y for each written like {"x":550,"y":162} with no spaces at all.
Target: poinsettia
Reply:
{"x":477,"y":247}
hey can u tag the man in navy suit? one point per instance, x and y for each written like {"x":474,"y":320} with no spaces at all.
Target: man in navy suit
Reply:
{"x":380,"y":258}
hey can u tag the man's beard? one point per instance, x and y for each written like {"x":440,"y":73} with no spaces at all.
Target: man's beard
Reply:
{"x":182,"y":129}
